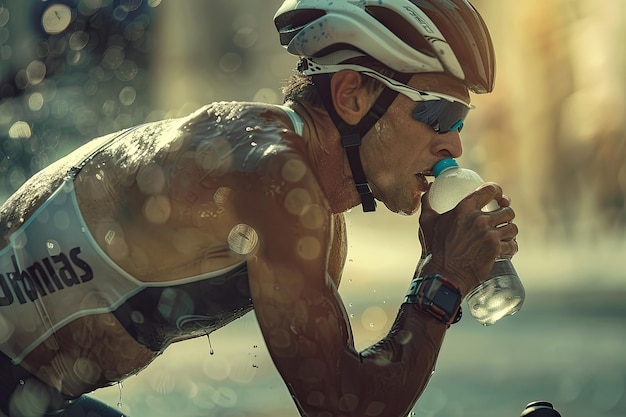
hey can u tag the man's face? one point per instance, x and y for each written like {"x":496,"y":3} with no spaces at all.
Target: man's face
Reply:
{"x":398,"y":150}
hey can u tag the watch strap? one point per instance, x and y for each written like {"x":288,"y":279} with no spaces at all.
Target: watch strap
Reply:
{"x":437,"y":296}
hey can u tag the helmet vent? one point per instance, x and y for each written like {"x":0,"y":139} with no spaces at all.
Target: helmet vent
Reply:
{"x":401,"y":28}
{"x":290,"y":23}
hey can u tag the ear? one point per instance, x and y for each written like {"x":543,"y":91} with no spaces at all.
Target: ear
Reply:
{"x":350,"y":96}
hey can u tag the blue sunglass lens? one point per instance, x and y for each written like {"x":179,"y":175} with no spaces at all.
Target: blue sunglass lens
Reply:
{"x":442,"y":115}
{"x":457,"y":126}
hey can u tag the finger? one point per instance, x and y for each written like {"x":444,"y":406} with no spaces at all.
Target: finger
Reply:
{"x":427,"y":211}
{"x":505,"y":202}
{"x":502,"y":215}
{"x":426,"y":221}
{"x":423,"y":241}
{"x":484,"y":195}
{"x":426,"y":202}
{"x":509,"y":247}
{"x":507,"y":231}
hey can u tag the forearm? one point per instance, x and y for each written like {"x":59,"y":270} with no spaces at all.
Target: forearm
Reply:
{"x":384,"y":380}
{"x":405,"y":359}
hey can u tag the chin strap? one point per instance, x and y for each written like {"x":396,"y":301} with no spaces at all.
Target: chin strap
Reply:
{"x":351,"y":135}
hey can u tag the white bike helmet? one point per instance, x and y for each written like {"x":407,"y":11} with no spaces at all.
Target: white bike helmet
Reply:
{"x":408,"y":36}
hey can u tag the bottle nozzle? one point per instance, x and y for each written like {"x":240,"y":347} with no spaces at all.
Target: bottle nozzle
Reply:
{"x":443,"y":164}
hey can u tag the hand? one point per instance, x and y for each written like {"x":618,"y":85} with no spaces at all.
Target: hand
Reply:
{"x":465,"y":241}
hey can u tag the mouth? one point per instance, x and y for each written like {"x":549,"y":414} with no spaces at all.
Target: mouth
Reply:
{"x":424,"y":183}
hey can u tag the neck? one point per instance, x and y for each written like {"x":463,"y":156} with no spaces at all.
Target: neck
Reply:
{"x":325,"y":153}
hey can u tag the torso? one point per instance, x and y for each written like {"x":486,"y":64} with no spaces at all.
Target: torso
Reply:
{"x":157,"y":203}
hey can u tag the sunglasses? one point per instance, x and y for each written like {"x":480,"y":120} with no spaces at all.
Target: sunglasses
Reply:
{"x":442,"y":112}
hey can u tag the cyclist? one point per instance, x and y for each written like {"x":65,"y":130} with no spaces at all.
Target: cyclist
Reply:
{"x":171,"y":230}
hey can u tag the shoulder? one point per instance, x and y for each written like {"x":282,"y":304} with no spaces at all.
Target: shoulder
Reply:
{"x":249,"y":145}
{"x":244,"y":160}
{"x":228,"y":137}
{"x":231,"y":118}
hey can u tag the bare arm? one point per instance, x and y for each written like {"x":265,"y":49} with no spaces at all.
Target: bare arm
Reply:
{"x":303,"y":318}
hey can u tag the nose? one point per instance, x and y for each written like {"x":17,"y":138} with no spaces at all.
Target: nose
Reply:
{"x":448,"y":144}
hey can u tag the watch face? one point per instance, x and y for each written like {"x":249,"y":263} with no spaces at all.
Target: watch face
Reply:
{"x":443,"y":296}
{"x":446,"y":299}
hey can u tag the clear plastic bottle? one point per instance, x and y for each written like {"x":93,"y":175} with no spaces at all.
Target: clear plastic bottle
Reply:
{"x":501,"y":293}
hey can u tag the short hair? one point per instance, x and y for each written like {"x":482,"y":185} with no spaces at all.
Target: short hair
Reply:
{"x":301,"y":88}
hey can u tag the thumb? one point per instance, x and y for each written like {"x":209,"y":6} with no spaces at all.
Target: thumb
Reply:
{"x":427,"y":220}
{"x":427,"y":210}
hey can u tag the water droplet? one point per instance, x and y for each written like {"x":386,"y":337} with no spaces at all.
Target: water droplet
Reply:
{"x":110,"y":235}
{"x":297,"y":201}
{"x":120,"y":386}
{"x":230,"y":62}
{"x":211,"y":351}
{"x":157,"y":209}
{"x":54,"y":248}
{"x":61,"y":220}
{"x":308,"y":247}
{"x":293,"y":170}
{"x":127,"y":96}
{"x":20,"y":130}
{"x":374,"y":318}
{"x":242,"y":239}
{"x":221,"y":195}
{"x":78,"y":40}
{"x":137,"y":317}
{"x":56,"y":18}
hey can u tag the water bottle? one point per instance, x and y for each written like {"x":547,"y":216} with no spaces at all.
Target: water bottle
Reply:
{"x":501,"y":293}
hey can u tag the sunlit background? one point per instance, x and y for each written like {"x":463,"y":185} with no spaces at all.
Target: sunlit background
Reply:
{"x":553,"y":134}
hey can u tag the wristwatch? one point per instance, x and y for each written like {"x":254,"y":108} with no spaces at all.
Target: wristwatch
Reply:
{"x":436,"y":295}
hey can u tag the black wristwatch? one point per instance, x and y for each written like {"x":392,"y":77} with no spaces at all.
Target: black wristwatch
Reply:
{"x":437,"y":296}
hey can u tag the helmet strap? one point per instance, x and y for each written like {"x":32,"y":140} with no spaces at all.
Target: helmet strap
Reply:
{"x":351,"y":135}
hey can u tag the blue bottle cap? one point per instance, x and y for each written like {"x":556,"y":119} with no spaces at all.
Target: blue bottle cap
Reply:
{"x":443,"y":164}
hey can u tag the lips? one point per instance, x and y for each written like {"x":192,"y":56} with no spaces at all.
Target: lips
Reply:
{"x":424,"y":185}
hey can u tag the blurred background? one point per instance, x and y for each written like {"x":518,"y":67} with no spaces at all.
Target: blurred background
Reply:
{"x":553,"y":134}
